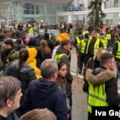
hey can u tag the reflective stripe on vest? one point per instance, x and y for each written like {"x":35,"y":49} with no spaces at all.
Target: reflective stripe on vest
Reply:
{"x":78,"y":41}
{"x":57,"y":57}
{"x":104,"y":42}
{"x":96,"y":46}
{"x":97,"y":96}
{"x":88,"y":45}
{"x":82,"y":46}
{"x":118,"y":51}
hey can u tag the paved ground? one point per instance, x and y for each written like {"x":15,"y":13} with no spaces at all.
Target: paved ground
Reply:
{"x":79,"y":109}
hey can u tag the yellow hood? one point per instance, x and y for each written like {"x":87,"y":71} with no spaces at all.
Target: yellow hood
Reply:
{"x":32,"y":61}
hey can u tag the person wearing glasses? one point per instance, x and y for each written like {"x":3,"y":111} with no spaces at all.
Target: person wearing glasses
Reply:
{"x":104,"y":94}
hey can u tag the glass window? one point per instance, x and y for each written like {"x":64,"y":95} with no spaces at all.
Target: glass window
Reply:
{"x":41,"y":9}
{"x":29,"y":8}
{"x":37,"y":9}
{"x":32,"y":11}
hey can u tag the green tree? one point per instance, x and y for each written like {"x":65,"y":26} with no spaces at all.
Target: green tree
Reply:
{"x":96,"y":14}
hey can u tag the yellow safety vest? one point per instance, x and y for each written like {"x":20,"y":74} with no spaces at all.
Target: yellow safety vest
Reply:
{"x":96,"y":96}
{"x":50,"y":36}
{"x":31,"y":30}
{"x":78,"y":41}
{"x":58,"y":57}
{"x":82,"y":46}
{"x":108,"y":36}
{"x":104,"y":42}
{"x":118,"y":51}
{"x":96,"y":45}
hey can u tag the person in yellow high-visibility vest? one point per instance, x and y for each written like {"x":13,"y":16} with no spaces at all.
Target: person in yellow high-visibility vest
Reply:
{"x":63,"y":54}
{"x":104,"y":41}
{"x":82,"y":52}
{"x":93,"y":44}
{"x":77,"y":40}
{"x":104,"y":94}
{"x":108,"y":35}
{"x":116,"y":50}
{"x":116,"y":53}
{"x":77,"y":44}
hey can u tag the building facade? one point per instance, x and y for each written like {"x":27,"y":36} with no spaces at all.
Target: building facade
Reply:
{"x":78,"y":12}
{"x":55,"y":11}
{"x":25,"y":10}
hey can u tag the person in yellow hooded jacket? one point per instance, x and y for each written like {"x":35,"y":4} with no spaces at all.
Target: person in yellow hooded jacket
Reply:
{"x":32,"y":60}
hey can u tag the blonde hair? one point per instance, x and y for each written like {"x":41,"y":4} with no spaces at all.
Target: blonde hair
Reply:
{"x":39,"y":114}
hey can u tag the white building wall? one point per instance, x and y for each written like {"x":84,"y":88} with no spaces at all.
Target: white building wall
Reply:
{"x":75,"y":3}
{"x":112,"y":12}
{"x":115,"y":18}
{"x":118,"y":3}
{"x":110,"y":4}
{"x":86,"y":3}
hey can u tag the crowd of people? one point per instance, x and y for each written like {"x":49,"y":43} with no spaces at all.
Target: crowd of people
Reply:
{"x":98,"y":60}
{"x":45,"y":82}
{"x":35,"y":70}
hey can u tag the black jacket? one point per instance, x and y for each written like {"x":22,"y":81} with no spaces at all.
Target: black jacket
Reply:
{"x":20,"y":33}
{"x":25,"y":74}
{"x":91,"y":47}
{"x":46,"y":94}
{"x":4,"y":54}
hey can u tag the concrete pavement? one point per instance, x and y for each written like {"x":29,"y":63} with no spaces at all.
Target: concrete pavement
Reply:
{"x":79,"y":108}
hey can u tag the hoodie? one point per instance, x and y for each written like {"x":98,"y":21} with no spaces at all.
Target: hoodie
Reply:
{"x":32,"y":61}
{"x":46,"y":94}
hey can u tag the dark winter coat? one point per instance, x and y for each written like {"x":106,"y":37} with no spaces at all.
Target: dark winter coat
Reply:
{"x":46,"y":94}
{"x":20,"y":34}
{"x":4,"y":54}
{"x":25,"y":74}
